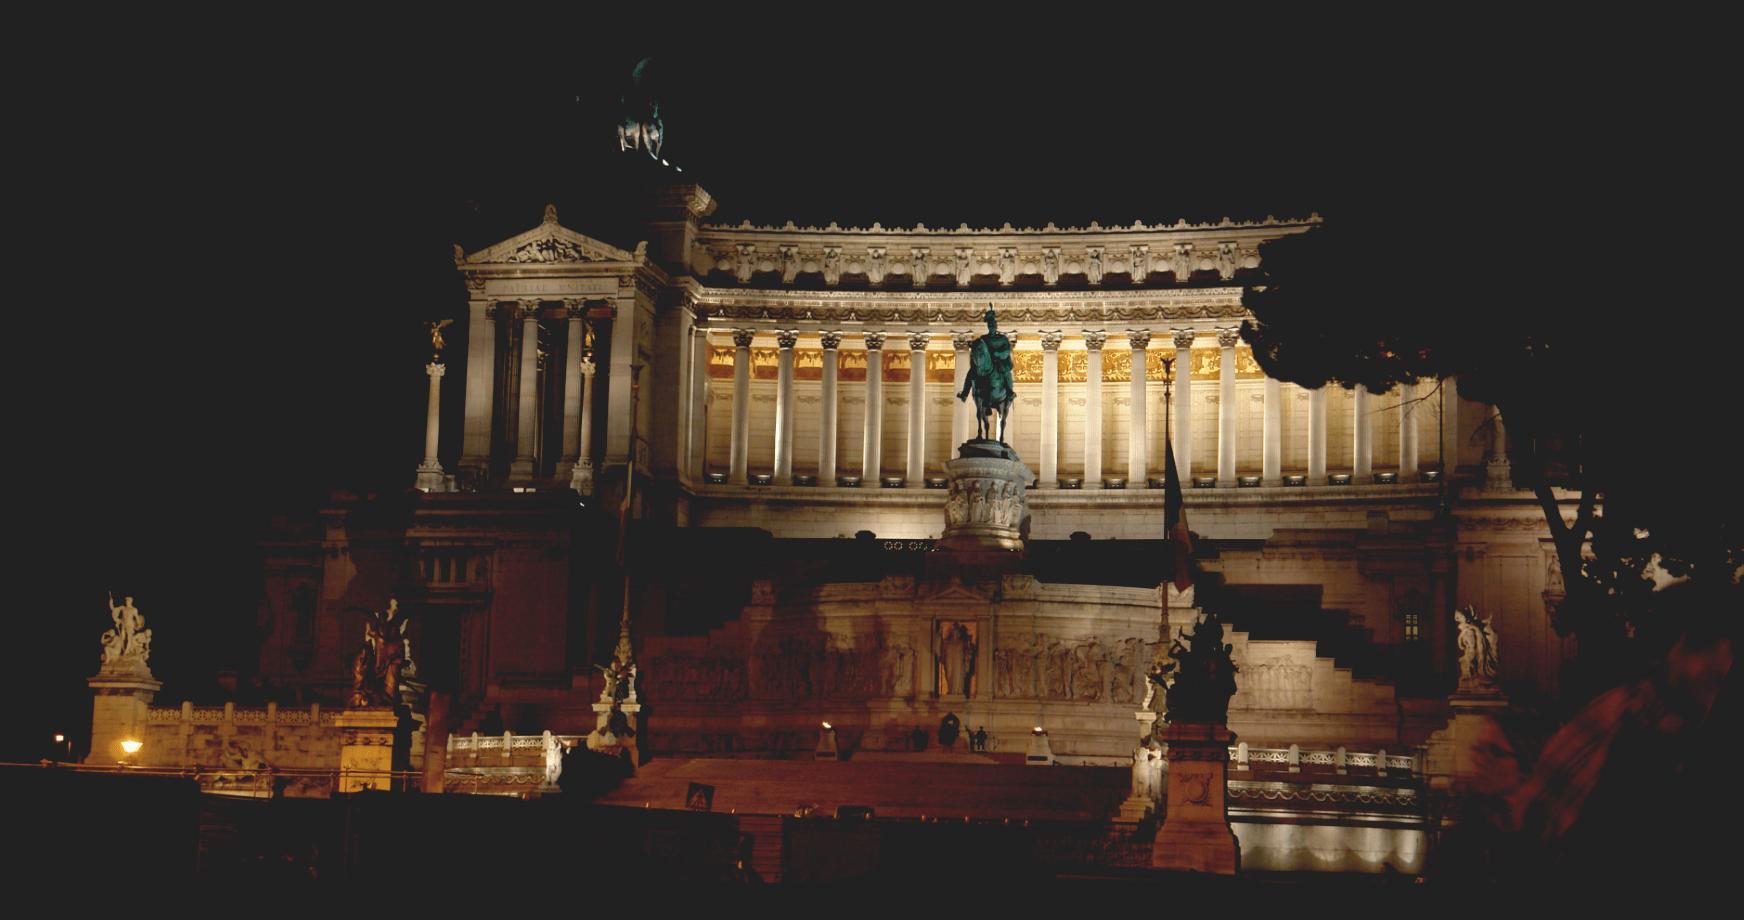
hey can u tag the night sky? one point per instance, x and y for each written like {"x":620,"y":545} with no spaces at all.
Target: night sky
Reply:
{"x":228,"y":249}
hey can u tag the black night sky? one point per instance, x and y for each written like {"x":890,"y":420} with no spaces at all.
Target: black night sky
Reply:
{"x":223,"y":250}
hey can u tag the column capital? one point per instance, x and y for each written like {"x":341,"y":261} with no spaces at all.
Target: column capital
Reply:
{"x":786,"y":338}
{"x":917,"y":341}
{"x":1094,"y":339}
{"x":435,"y":369}
{"x":742,"y":337}
{"x":1227,"y":338}
{"x":587,"y":367}
{"x":874,"y":341}
{"x":831,"y":339}
{"x":574,"y":307}
{"x":1184,"y":338}
{"x":1051,"y":339}
{"x":1140,"y":339}
{"x":962,"y":341}
{"x":528,"y":307}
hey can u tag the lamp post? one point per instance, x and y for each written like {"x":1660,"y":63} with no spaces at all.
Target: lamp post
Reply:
{"x":65,"y":744}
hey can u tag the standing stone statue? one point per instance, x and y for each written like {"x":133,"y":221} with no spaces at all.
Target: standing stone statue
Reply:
{"x":956,"y":658}
{"x":1477,"y":650}
{"x":989,"y":378}
{"x":128,"y":645}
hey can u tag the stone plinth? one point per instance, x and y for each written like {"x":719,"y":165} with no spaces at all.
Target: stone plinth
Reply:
{"x":373,"y":744}
{"x":1456,"y":758}
{"x":1196,"y":835}
{"x":985,"y":511}
{"x":120,"y":698}
{"x":607,"y":739}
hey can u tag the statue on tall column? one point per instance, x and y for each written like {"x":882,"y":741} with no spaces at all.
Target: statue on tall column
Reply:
{"x":989,"y":378}
{"x":1205,"y":678}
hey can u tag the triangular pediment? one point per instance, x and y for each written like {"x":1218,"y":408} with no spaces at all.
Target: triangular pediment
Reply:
{"x":549,"y":243}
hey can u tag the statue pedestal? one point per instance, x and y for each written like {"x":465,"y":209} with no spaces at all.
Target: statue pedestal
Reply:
{"x":1196,"y":835}
{"x":373,"y":744}
{"x":1451,"y":760}
{"x":985,"y":512}
{"x":431,"y":478}
{"x":119,"y":700}
{"x":609,"y":740}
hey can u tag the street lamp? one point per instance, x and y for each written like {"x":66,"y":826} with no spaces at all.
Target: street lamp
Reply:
{"x":130,"y":747}
{"x":67,"y":743}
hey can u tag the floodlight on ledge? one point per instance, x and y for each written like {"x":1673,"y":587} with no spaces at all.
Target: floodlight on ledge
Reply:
{"x":131,"y":746}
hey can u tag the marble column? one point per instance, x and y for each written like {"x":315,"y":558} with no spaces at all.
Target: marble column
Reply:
{"x":574,"y":324}
{"x":581,"y":479}
{"x":917,"y":343}
{"x":697,"y":462}
{"x":1050,"y":449}
{"x":871,"y":462}
{"x":1272,"y":435}
{"x":1183,"y":429}
{"x":481,"y":358}
{"x":430,"y":478}
{"x":1317,"y":436}
{"x":827,"y":411}
{"x":526,"y":419}
{"x":962,"y":410}
{"x":785,"y":339}
{"x":1407,"y":432}
{"x":1226,"y":339}
{"x":740,"y":452}
{"x":1450,"y":439}
{"x":1362,"y":439}
{"x":1094,"y":339}
{"x":1137,"y":433}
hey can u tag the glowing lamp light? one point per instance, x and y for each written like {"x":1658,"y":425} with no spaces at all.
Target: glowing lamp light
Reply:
{"x":1038,"y":730}
{"x":131,"y":746}
{"x":60,"y":738}
{"x":828,"y":727}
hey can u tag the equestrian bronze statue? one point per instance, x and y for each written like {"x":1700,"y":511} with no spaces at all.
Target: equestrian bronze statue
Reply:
{"x":989,"y":378}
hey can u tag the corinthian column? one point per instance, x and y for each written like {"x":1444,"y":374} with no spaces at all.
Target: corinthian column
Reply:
{"x":1272,"y":445}
{"x":871,"y":462}
{"x":1362,"y":463}
{"x":481,"y":356}
{"x":1407,"y":432}
{"x":962,"y":411}
{"x":572,"y":321}
{"x":1317,"y":435}
{"x":430,"y":478}
{"x":1050,"y":474}
{"x":1137,"y":435}
{"x":917,"y":343}
{"x":1183,"y":428}
{"x":1094,"y":339}
{"x":827,"y":411}
{"x":785,"y":339}
{"x":740,"y":453}
{"x":1226,"y":339}
{"x":526,"y":419}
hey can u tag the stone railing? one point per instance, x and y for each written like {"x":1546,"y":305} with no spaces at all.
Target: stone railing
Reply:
{"x":1339,"y":760}
{"x":505,"y":746}
{"x":188,"y":713}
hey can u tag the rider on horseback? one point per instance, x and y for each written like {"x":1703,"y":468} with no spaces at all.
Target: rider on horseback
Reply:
{"x":989,"y":377}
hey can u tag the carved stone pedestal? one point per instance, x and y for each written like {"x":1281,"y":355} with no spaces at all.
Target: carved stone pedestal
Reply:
{"x":609,"y":739}
{"x":1451,"y":759}
{"x":1196,"y":835}
{"x":374,"y":743}
{"x":119,"y":700}
{"x":986,"y":511}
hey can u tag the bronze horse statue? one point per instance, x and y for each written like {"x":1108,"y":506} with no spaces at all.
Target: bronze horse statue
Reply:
{"x":989,"y":378}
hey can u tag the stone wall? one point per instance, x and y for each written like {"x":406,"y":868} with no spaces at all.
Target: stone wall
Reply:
{"x":303,"y":744}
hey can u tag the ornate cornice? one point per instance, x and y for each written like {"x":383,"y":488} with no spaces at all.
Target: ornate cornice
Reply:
{"x":1007,"y":229}
{"x":959,"y":309}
